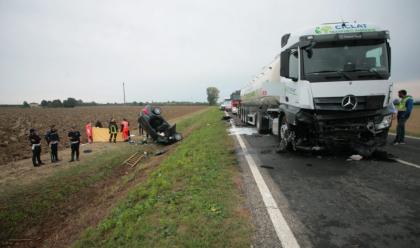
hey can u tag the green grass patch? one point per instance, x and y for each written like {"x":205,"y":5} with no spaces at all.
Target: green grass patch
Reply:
{"x":27,"y":205}
{"x":191,"y":200}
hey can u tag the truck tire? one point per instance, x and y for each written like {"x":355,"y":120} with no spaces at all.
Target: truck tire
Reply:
{"x":284,"y":132}
{"x":261,"y":127}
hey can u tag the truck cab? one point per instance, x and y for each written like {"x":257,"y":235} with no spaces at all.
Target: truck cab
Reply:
{"x":335,"y":87}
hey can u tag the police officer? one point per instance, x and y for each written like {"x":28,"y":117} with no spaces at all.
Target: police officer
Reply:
{"x":52,"y":141}
{"x":113,"y":130}
{"x":404,"y":110}
{"x":36,"y":147}
{"x":74,"y":136}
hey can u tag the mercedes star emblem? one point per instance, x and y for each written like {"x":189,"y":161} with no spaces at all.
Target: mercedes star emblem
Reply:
{"x":349,"y":102}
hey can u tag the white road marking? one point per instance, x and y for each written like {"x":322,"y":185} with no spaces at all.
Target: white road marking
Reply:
{"x":283,"y":231}
{"x":406,"y":136}
{"x":407,"y":163}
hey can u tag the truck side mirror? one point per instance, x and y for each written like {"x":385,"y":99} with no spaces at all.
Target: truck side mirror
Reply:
{"x":284,"y":63}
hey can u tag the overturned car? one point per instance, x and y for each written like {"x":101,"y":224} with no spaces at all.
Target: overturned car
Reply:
{"x":157,"y":127}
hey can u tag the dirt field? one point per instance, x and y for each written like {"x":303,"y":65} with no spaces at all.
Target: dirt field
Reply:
{"x":413,"y":124}
{"x":99,"y":187}
{"x":16,"y":122}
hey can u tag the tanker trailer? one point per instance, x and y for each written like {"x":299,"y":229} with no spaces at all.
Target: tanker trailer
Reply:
{"x":259,"y":100}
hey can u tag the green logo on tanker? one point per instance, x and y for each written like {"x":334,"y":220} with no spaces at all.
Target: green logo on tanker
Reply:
{"x":323,"y":29}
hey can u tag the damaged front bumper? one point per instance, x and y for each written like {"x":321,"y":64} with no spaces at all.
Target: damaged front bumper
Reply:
{"x":360,"y":130}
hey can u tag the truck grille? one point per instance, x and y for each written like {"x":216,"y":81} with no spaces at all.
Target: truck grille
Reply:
{"x":363,"y":103}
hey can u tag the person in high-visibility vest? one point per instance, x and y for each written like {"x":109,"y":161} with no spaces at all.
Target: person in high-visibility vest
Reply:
{"x":124,"y":129}
{"x":89,"y":132}
{"x":113,"y":130}
{"x":404,"y":108}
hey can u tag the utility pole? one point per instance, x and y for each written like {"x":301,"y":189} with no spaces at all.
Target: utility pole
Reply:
{"x":124,"y":92}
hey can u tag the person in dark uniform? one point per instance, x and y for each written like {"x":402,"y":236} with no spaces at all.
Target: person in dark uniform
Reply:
{"x":113,"y":130}
{"x":98,"y":124}
{"x":74,"y":136}
{"x":36,"y":147}
{"x":52,"y":141}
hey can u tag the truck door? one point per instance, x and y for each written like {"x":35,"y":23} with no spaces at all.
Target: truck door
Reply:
{"x":289,"y":72}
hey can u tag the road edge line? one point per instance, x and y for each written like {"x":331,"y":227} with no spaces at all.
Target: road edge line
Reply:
{"x":283,"y":231}
{"x":406,"y":163}
{"x":406,"y":136}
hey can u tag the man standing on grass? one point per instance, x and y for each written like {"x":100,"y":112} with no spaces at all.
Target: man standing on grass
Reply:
{"x":89,"y":132}
{"x":113,"y":130}
{"x":125,"y":131}
{"x":74,"y":136}
{"x":36,"y":147}
{"x":52,"y":141}
{"x":404,"y":110}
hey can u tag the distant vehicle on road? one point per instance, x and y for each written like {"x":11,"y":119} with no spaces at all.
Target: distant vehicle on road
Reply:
{"x":234,"y":110}
{"x":328,"y":88}
{"x":227,"y":105}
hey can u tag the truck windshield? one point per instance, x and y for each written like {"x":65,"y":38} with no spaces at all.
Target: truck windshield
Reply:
{"x":346,"y":60}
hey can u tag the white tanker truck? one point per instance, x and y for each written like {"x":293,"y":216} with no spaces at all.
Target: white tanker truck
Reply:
{"x":328,"y":88}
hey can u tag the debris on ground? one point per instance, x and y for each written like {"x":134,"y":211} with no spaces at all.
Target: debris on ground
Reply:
{"x":87,"y":151}
{"x":226,"y":118}
{"x":267,"y":167}
{"x":380,"y":155}
{"x":134,"y":159}
{"x":160,"y":152}
{"x":242,"y":131}
{"x":355,"y":157}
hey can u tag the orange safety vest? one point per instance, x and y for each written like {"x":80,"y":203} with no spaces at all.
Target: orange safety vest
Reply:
{"x":88,"y":129}
{"x":125,"y":125}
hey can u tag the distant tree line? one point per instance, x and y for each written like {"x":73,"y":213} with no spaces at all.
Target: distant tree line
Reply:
{"x":72,"y":102}
{"x":68,"y":103}
{"x":135,"y":103}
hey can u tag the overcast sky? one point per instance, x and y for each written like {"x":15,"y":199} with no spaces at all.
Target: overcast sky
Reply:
{"x":172,"y":50}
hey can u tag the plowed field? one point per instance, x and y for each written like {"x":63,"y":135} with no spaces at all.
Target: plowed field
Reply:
{"x":16,"y":122}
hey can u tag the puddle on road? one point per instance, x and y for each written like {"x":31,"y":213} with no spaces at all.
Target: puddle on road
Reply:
{"x":242,"y":131}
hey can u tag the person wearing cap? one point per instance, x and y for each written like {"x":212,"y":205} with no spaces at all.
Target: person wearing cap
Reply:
{"x":36,"y":147}
{"x":404,"y":108}
{"x":52,"y":139}
{"x":113,"y":130}
{"x":74,"y":136}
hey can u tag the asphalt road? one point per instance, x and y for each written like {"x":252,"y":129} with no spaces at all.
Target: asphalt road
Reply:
{"x":328,"y":201}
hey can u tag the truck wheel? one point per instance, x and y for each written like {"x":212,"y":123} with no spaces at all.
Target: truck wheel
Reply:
{"x":259,"y":123}
{"x":284,"y":133}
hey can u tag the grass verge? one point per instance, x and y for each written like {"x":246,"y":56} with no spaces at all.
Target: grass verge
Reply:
{"x":191,"y":200}
{"x":27,"y":205}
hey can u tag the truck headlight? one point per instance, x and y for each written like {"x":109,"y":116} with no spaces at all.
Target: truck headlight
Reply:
{"x":386,"y":122}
